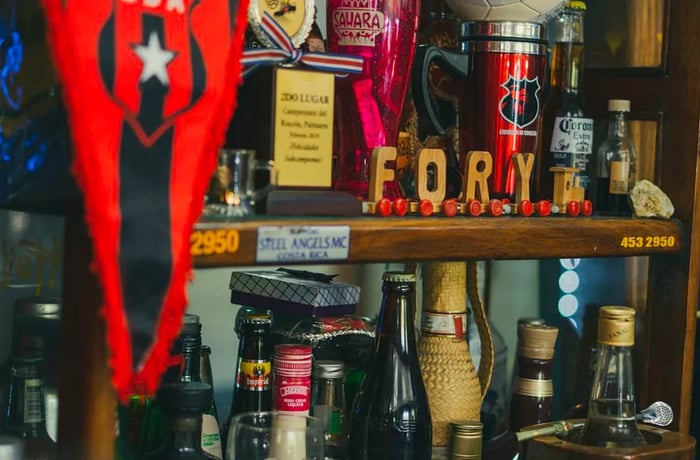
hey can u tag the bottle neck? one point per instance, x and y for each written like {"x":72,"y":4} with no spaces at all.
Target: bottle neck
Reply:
{"x":617,"y":125}
{"x":184,"y":434}
{"x":567,"y":57}
{"x":531,"y":401}
{"x":395,"y":328}
{"x":190,"y":363}
{"x":613,"y":382}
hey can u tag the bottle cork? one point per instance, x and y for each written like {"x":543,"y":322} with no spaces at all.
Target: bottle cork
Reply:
{"x":536,"y":341}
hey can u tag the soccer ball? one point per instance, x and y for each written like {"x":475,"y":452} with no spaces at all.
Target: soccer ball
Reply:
{"x":506,"y":10}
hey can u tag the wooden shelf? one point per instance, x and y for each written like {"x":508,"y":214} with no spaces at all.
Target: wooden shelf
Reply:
{"x":374,"y":239}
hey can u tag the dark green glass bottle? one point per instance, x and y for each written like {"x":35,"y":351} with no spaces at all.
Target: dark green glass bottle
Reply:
{"x":183,"y":405}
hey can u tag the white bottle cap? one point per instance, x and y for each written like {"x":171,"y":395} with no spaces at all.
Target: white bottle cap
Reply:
{"x":618,"y":105}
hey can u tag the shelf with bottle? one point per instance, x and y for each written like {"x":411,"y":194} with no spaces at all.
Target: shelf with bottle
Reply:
{"x":269,"y":240}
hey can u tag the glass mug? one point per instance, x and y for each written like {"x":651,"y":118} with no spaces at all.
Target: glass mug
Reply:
{"x":274,"y":436}
{"x":232,"y":191}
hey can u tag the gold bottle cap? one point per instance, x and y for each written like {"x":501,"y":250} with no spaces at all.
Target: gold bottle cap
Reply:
{"x":616,"y":326}
{"x":576,"y":5}
{"x":536,"y":341}
{"x":465,"y":440}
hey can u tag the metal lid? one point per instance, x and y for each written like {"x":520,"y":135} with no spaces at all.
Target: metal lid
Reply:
{"x":616,"y":326}
{"x":465,"y":440}
{"x":11,"y":448}
{"x":534,"y":321}
{"x":399,"y":277}
{"x":576,"y":5}
{"x":329,"y":369}
{"x":44,"y":307}
{"x":618,"y":105}
{"x":190,"y":318}
{"x":532,"y":32}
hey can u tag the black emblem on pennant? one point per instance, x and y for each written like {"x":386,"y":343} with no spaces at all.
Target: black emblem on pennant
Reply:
{"x":520,"y":104}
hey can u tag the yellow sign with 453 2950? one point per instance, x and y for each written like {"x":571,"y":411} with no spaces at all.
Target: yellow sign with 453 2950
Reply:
{"x":210,"y":242}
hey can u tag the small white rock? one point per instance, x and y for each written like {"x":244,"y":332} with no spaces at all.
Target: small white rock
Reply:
{"x":648,"y":200}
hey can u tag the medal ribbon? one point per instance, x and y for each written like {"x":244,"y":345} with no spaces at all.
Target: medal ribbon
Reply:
{"x":286,"y":53}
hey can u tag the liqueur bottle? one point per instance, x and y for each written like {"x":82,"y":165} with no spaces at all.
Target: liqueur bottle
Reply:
{"x":612,"y":408}
{"x":183,"y":405}
{"x":391,"y":418}
{"x":24,"y":410}
{"x":531,"y":399}
{"x":615,"y":163}
{"x":36,"y":321}
{"x":567,"y":132}
{"x":531,"y":402}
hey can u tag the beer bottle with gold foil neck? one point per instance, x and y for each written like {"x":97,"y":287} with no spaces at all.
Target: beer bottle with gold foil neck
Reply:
{"x":531,"y":402}
{"x":612,"y":408}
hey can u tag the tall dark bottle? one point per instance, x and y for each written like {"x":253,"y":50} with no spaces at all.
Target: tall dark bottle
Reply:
{"x":252,"y":389}
{"x":612,"y":407}
{"x":391,"y":418}
{"x":183,"y":405}
{"x":567,"y":138}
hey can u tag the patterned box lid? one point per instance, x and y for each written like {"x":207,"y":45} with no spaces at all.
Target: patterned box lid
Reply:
{"x":278,"y":288}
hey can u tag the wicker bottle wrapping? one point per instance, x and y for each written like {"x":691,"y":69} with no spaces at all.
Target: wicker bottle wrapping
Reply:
{"x":455,"y":388}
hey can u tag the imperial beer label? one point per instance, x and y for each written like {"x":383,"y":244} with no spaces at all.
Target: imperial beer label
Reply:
{"x":357,"y":22}
{"x":254,"y":375}
{"x":572,"y":145}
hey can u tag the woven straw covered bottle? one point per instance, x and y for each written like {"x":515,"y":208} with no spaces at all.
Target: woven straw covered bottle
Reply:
{"x":455,"y":389}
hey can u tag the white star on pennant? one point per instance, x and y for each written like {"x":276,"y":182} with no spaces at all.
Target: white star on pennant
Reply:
{"x":155,"y":59}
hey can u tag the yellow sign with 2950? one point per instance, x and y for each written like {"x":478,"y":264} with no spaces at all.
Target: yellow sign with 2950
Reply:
{"x":217,"y":241}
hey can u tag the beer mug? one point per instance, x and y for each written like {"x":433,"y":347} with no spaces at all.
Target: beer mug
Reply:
{"x":232,"y":191}
{"x":503,"y":68}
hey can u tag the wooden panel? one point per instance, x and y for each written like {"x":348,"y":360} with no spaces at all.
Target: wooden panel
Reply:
{"x":673,"y":291}
{"x":416,"y":238}
{"x":86,"y":423}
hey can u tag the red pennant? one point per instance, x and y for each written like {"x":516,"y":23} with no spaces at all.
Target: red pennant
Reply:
{"x":150,"y":86}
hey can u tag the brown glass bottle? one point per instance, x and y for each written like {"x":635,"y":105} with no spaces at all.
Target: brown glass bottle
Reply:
{"x":567,"y":134}
{"x":391,"y":418}
{"x":531,"y":402}
{"x":252,"y":391}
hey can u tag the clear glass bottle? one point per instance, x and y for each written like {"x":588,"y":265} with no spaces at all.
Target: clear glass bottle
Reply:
{"x":612,"y":408}
{"x":567,"y":137}
{"x":391,"y":417}
{"x":616,"y":163}
{"x":183,"y":405}
{"x":328,"y":404}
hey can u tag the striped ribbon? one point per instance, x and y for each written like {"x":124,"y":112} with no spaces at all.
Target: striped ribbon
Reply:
{"x":340,"y":64}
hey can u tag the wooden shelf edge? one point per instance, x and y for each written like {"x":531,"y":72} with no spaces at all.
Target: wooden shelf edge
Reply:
{"x":374,"y":239}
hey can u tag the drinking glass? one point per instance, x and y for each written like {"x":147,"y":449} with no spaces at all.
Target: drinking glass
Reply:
{"x":274,"y":436}
{"x":232,"y":191}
